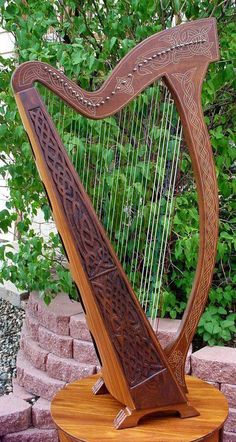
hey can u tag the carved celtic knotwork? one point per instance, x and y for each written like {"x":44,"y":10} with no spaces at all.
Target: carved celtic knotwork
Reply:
{"x":177,"y":46}
{"x":182,"y":38}
{"x":195,"y":41}
{"x":209,"y":189}
{"x":130,"y":336}
{"x":95,"y":256}
{"x":175,"y":360}
{"x":125,"y":84}
{"x":61,"y":84}
{"x":135,"y":347}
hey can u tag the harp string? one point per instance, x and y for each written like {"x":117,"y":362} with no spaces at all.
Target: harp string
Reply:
{"x":156,"y":231}
{"x":108,"y":154}
{"x":120,"y":145}
{"x":151,"y":243}
{"x":97,"y":144}
{"x":89,"y":144}
{"x":76,"y":135}
{"x":85,"y":153}
{"x":100,"y":158}
{"x":114,"y":176}
{"x":106,"y":169}
{"x":130,"y":203}
{"x":124,"y":203}
{"x":136,"y":153}
{"x":166,"y":224}
{"x":159,"y":216}
{"x":123,"y":162}
{"x":147,"y":123}
{"x":140,"y":214}
{"x":174,"y":161}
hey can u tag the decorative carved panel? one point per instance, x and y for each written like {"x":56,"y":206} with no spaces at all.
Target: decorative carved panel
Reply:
{"x":132,"y":341}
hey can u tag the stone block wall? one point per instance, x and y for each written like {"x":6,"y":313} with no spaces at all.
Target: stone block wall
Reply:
{"x":56,"y":348}
{"x":217,"y":365}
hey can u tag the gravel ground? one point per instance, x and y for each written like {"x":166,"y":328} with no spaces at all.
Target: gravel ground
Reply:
{"x":11,"y":320}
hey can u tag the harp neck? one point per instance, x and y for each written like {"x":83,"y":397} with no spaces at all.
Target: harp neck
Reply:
{"x":188,"y":45}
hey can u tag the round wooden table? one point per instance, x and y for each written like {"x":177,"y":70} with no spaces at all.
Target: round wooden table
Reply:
{"x":82,"y":417}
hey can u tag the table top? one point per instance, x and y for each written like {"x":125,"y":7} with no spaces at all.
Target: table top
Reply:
{"x":89,"y":418}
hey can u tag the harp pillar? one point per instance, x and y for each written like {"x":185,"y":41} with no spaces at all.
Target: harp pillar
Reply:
{"x":81,"y":416}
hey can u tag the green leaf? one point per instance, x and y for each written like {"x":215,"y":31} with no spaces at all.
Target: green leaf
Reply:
{"x":222,"y":311}
{"x":209,"y":327}
{"x":112,"y":42}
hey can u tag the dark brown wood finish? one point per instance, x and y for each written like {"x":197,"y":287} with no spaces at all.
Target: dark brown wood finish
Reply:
{"x":136,"y":370}
{"x":186,"y":88}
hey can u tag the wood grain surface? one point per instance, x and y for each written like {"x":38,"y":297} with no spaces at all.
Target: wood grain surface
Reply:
{"x":81,"y":416}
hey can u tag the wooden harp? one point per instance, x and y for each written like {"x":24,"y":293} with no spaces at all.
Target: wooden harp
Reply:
{"x":136,"y":370}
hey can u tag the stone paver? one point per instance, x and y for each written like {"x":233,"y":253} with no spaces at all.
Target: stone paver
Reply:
{"x":36,"y":381}
{"x":41,"y":415}
{"x":166,"y":329}
{"x":216,"y":364}
{"x":32,"y":305}
{"x":67,"y":370}
{"x":84,"y":352}
{"x":36,"y":355}
{"x":229,"y":437}
{"x":32,"y":435}
{"x":54,"y":343}
{"x":20,"y":391}
{"x":15,"y":414}
{"x":32,"y":326}
{"x":230,"y":424}
{"x":188,"y":361}
{"x":229,"y":391}
{"x":55,"y":316}
{"x":78,"y":328}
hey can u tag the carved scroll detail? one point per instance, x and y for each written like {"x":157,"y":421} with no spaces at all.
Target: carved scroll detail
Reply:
{"x":130,"y":336}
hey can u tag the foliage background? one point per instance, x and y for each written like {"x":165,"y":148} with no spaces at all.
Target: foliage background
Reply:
{"x":92,"y":36}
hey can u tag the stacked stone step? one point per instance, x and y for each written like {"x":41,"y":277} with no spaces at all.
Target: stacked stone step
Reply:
{"x":217,"y":365}
{"x":22,"y":422}
{"x":55,"y":349}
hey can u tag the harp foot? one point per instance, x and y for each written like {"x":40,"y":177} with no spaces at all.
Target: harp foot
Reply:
{"x":127,"y":418}
{"x":100,"y":387}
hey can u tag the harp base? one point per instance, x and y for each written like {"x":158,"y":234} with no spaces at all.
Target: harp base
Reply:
{"x":100,"y":387}
{"x":82,"y":416}
{"x":127,"y":418}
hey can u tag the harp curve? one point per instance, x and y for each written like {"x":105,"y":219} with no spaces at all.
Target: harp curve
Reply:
{"x":186,"y":87}
{"x":180,"y":56}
